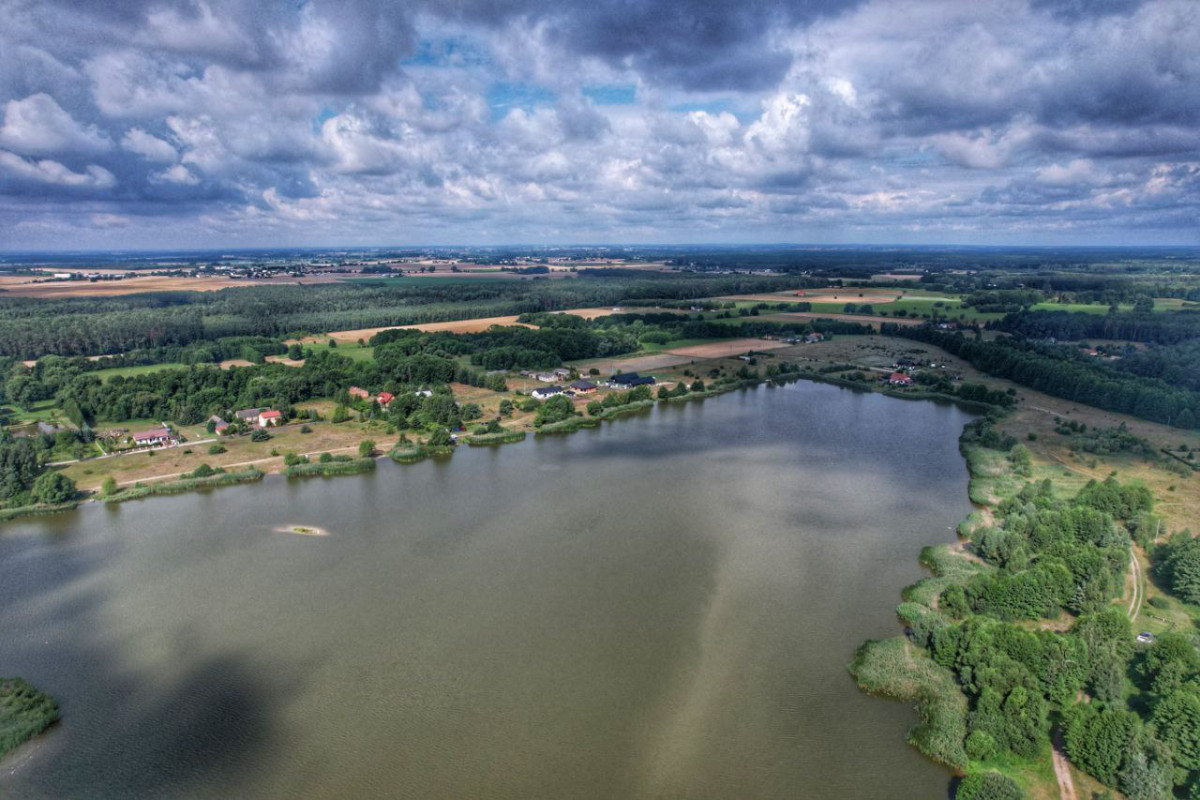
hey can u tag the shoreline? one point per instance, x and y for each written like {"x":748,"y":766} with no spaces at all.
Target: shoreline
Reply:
{"x":249,"y":472}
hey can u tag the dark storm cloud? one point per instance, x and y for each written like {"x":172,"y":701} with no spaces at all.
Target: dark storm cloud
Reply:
{"x":386,"y":120}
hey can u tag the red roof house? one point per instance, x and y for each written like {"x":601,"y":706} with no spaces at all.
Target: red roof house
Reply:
{"x":385,"y":398}
{"x":270,"y":417}
{"x":357,"y":392}
{"x":900,"y":379}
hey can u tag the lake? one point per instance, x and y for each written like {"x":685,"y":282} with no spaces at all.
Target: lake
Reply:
{"x":662,"y":607}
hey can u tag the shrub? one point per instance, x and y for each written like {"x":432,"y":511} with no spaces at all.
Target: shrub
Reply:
{"x":366,"y":447}
{"x":202,"y":471}
{"x":53,"y":488}
{"x":325,"y":458}
{"x":260,"y":435}
{"x":988,"y":786}
{"x":216,"y":449}
{"x":305,"y":429}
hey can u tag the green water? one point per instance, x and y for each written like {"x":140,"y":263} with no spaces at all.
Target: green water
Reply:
{"x":659,"y":608}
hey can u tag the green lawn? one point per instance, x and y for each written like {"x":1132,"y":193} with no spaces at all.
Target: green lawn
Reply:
{"x":126,"y":372}
{"x":351,"y":351}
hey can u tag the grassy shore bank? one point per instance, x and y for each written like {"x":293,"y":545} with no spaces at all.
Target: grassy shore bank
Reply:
{"x":24,"y":713}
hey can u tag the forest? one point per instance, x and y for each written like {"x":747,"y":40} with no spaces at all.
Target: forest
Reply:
{"x":1129,"y":712}
{"x":97,"y":326}
{"x":1063,"y":372}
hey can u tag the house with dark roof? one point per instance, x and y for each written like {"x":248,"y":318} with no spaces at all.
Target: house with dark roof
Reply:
{"x":627,"y":380}
{"x":582,"y":387}
{"x":546,"y":392}
{"x":248,"y":414}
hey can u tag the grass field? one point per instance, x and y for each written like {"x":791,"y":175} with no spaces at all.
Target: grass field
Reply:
{"x":106,"y":375}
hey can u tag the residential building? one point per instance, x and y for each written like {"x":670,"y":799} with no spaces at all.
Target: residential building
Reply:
{"x":546,"y":392}
{"x":270,"y":417}
{"x":153,"y":437}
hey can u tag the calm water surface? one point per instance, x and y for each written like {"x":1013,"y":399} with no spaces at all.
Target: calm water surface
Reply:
{"x":659,"y":608}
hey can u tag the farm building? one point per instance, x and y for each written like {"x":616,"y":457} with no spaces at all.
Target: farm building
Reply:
{"x":219,"y":425}
{"x":248,"y":414}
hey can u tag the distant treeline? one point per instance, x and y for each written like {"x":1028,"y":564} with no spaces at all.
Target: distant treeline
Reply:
{"x":31,"y":328}
{"x":1063,"y":372}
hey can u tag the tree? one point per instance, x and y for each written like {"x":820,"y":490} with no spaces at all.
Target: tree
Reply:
{"x":556,"y":409}
{"x":440,"y":438}
{"x":1145,"y":779}
{"x":340,"y":414}
{"x":1177,"y":720}
{"x":1179,"y":566}
{"x":1098,"y":740}
{"x":109,"y":487}
{"x":595,"y":408}
{"x":471,"y":411}
{"x":506,"y":407}
{"x":53,"y":488}
{"x":365,"y":448}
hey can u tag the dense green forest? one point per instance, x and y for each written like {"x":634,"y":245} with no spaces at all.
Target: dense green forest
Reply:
{"x":1063,"y":372}
{"x":95,"y":326}
{"x":1129,"y":712}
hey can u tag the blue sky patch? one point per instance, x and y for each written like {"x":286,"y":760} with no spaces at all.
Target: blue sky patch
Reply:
{"x":614,"y":94}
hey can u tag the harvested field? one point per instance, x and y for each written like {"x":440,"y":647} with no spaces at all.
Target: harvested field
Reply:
{"x":23,"y":286}
{"x":675,"y":356}
{"x":726,"y":348}
{"x":852,"y":294}
{"x":792,"y":316}
{"x":235,"y":362}
{"x":455,"y":326}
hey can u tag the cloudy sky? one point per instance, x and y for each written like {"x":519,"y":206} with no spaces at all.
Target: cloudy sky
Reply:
{"x":213,"y":123}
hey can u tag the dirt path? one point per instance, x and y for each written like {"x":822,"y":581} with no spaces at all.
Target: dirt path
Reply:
{"x":1062,"y":771}
{"x":176,"y":475}
{"x":1135,"y":601}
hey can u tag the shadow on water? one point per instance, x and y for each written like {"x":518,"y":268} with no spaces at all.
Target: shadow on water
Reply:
{"x":161,"y":737}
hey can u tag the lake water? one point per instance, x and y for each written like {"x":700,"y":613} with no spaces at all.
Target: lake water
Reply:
{"x":662,"y":607}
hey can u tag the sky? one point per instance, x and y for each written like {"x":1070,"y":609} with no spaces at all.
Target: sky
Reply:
{"x":142,"y":124}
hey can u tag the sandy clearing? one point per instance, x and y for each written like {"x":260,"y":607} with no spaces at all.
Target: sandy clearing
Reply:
{"x":235,"y":362}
